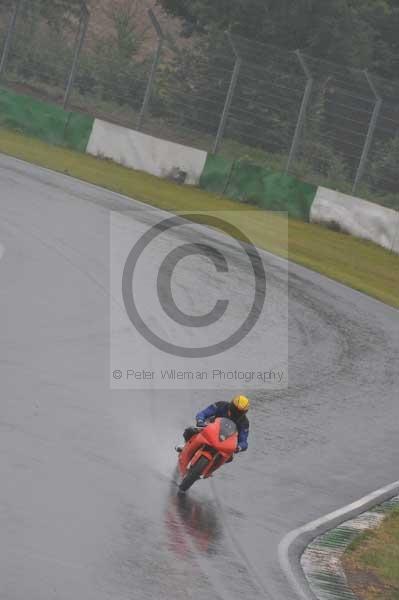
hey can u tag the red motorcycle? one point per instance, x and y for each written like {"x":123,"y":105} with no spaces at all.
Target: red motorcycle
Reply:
{"x":208,"y":449}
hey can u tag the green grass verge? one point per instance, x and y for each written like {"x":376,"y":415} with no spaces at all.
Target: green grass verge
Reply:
{"x":359,"y":264}
{"x":372,"y":561}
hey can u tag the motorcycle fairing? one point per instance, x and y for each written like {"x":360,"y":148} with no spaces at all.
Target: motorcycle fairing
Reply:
{"x":217,"y":442}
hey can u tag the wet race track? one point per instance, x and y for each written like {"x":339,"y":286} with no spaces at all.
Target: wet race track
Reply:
{"x":88,"y":508}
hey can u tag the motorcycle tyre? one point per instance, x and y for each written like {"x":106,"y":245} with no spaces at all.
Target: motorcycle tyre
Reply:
{"x":194,"y":474}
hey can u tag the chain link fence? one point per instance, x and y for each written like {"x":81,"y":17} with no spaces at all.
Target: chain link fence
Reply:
{"x":321,"y":121}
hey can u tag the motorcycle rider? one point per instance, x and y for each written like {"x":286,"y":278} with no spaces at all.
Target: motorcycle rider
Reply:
{"x":236,"y":410}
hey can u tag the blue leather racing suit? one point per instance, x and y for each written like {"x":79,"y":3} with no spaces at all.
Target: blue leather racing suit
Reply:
{"x":223,"y":409}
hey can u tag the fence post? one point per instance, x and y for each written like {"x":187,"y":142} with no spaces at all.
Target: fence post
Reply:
{"x":230,"y":94}
{"x":370,"y":132}
{"x":83,"y":25}
{"x":154,"y":67}
{"x":302,"y":111}
{"x":9,"y":36}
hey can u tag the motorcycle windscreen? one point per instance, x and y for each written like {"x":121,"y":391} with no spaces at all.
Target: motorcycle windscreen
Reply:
{"x":227,"y":429}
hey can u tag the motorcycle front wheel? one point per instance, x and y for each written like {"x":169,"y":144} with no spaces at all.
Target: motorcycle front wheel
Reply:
{"x":194,"y":474}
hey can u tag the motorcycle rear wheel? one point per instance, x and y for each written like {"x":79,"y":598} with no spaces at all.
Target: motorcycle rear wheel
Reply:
{"x":194,"y":474}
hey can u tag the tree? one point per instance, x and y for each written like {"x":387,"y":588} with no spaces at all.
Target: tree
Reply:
{"x":359,"y":33}
{"x":114,"y":67}
{"x":58,"y":13}
{"x":249,"y":18}
{"x":42,"y":46}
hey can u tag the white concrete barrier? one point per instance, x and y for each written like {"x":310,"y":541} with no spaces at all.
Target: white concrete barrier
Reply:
{"x":145,"y":153}
{"x":395,"y":245}
{"x":357,"y":217}
{"x":165,"y":159}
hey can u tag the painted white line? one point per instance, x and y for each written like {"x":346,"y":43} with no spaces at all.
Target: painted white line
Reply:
{"x":334,"y":519}
{"x":2,"y":251}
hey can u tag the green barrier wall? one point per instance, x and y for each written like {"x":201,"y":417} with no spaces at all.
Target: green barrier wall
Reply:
{"x":216,"y":174}
{"x":257,"y":185}
{"x":45,"y":121}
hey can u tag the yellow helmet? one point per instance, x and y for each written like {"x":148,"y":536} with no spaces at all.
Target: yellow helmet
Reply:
{"x":241,"y":403}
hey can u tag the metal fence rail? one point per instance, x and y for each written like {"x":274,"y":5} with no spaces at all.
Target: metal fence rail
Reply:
{"x":321,"y":121}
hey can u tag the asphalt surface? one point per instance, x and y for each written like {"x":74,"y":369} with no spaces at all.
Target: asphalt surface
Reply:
{"x":88,"y":509}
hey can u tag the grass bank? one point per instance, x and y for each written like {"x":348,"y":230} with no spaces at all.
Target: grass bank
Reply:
{"x":372,"y":562}
{"x":359,"y":264}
